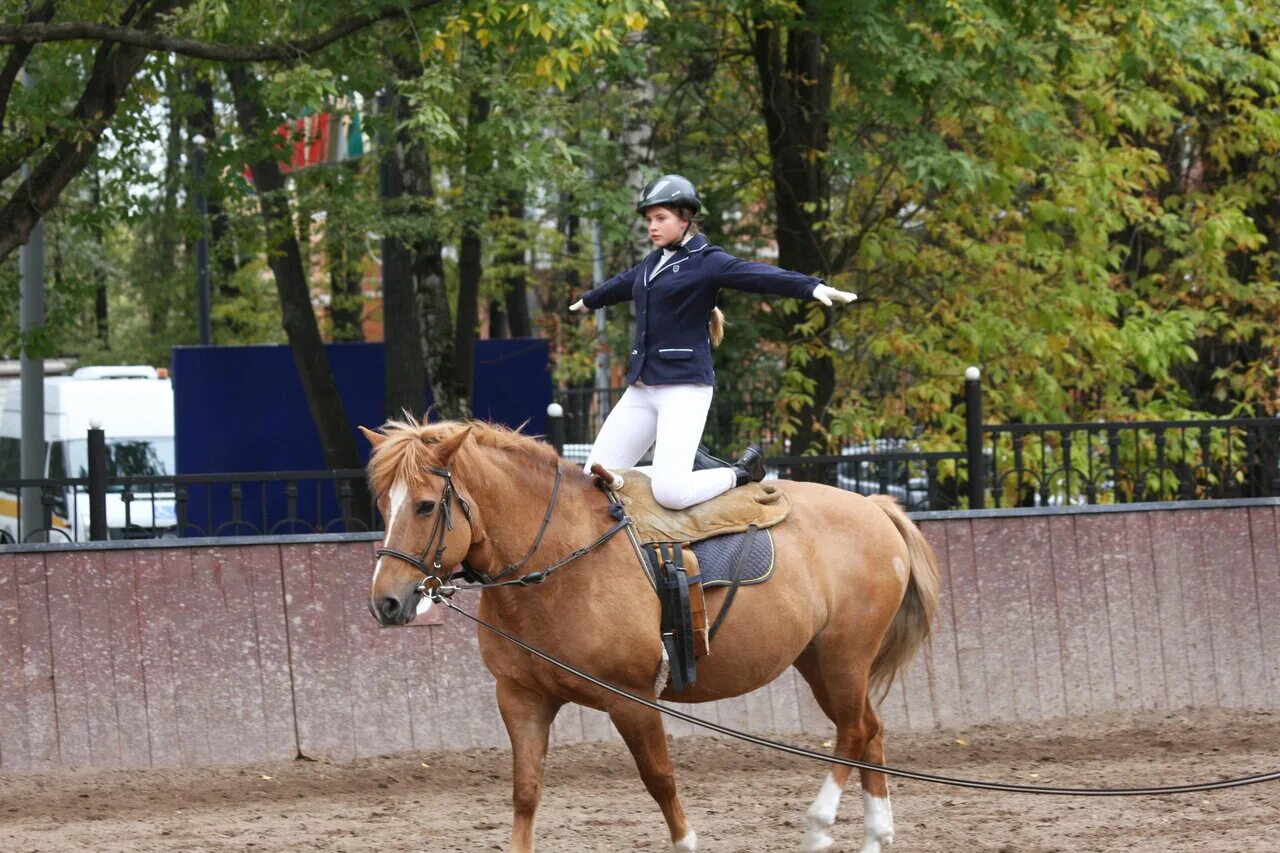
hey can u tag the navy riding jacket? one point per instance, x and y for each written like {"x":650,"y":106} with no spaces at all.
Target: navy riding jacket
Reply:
{"x":673,"y":307}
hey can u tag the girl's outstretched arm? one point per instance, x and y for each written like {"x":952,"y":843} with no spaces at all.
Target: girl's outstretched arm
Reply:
{"x":613,"y":291}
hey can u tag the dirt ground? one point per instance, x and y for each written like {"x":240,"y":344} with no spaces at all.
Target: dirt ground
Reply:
{"x":739,"y":797}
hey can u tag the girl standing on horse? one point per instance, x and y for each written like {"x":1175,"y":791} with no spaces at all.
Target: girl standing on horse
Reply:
{"x":670,"y":378}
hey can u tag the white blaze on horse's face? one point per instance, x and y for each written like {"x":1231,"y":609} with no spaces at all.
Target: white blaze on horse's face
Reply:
{"x":396,"y":499}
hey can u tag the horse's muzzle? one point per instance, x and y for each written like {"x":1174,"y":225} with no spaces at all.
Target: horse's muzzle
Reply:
{"x":389,"y":610}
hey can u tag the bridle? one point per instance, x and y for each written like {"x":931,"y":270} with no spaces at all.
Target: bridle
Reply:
{"x":443,"y":524}
{"x":434,"y":584}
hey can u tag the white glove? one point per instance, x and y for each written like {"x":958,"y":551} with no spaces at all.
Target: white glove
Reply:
{"x":825,"y":294}
{"x":578,"y":306}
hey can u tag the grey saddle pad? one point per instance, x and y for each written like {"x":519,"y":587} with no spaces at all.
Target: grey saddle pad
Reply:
{"x":717,"y":556}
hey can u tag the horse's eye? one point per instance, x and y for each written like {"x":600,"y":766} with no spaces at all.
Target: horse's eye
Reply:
{"x":425,"y":507}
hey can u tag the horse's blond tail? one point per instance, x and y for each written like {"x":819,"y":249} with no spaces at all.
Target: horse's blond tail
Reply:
{"x":914,"y":620}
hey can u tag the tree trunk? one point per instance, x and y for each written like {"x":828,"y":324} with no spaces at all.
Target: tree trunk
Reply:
{"x":171,"y":235}
{"x":202,"y":121}
{"x":566,"y":282}
{"x":405,"y":370}
{"x":424,"y":341}
{"x":464,"y":339}
{"x":470,"y":264}
{"x":101,"y":320}
{"x":497,"y":320}
{"x":285,"y":258}
{"x":795,"y":83}
{"x":345,"y":303}
{"x":572,"y":278}
{"x":515,"y":281}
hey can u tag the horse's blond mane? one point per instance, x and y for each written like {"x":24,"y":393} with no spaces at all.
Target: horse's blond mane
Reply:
{"x":411,"y":447}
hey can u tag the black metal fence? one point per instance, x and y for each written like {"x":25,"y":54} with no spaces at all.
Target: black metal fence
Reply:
{"x":994,"y":465}
{"x":188,"y":505}
{"x":1120,"y":462}
{"x":999,"y":465}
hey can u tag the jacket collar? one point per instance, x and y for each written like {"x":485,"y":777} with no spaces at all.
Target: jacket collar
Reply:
{"x":695,"y":244}
{"x":692,"y":246}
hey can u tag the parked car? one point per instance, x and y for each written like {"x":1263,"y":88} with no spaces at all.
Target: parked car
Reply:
{"x":886,"y":468}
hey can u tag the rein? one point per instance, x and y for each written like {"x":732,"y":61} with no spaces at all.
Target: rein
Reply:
{"x":434,"y":586}
{"x":851,"y":762}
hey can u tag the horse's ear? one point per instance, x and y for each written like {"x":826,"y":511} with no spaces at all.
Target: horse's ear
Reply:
{"x":375,"y":438}
{"x":449,"y":445}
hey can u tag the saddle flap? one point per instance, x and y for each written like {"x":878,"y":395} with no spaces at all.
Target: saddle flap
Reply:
{"x":761,"y":505}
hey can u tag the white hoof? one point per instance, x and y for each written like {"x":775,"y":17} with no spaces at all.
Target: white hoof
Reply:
{"x":822,"y":815}
{"x":872,"y":844}
{"x":816,"y":839}
{"x":688,"y":844}
{"x":877,"y":819}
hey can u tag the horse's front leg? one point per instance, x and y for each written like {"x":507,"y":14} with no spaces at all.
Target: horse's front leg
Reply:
{"x":641,"y":729}
{"x":528,"y":717}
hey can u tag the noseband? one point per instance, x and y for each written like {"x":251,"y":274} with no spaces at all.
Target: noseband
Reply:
{"x":443,"y":524}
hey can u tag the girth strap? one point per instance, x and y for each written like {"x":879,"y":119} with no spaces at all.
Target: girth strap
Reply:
{"x":739,"y":565}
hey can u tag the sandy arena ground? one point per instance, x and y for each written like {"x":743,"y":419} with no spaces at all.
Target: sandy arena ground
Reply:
{"x":739,"y":797}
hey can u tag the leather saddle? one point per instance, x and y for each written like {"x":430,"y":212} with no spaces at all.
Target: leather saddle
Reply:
{"x":759,"y":505}
{"x":732,"y":530}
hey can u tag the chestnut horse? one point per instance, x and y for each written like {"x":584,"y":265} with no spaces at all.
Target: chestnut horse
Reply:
{"x":852,"y":597}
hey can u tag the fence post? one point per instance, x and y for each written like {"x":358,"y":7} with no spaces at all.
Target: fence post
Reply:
{"x":555,"y":426}
{"x":97,"y":484}
{"x":973,"y":436}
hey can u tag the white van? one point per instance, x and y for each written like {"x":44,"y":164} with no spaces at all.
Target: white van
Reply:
{"x":134,"y":407}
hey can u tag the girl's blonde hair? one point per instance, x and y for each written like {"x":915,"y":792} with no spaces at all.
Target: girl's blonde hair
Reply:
{"x":717,"y":316}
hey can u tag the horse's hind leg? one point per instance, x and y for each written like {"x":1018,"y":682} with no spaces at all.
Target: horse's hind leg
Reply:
{"x":841,"y":692}
{"x":877,"y":811}
{"x":641,"y":729}
{"x":528,"y":717}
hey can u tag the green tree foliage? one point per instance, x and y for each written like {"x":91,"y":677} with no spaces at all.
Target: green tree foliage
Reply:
{"x":1075,"y":197}
{"x":1079,"y":229}
{"x":1078,"y":197}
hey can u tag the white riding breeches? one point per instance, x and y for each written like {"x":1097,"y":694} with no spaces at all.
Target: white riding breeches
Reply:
{"x":670,"y":418}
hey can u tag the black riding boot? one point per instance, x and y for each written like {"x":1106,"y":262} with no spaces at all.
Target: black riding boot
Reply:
{"x":703,"y":460}
{"x":750,"y":466}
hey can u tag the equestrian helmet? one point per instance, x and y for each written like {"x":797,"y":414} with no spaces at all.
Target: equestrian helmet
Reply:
{"x":669,"y":191}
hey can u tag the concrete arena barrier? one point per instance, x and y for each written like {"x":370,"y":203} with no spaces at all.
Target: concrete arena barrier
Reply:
{"x":235,"y":651}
